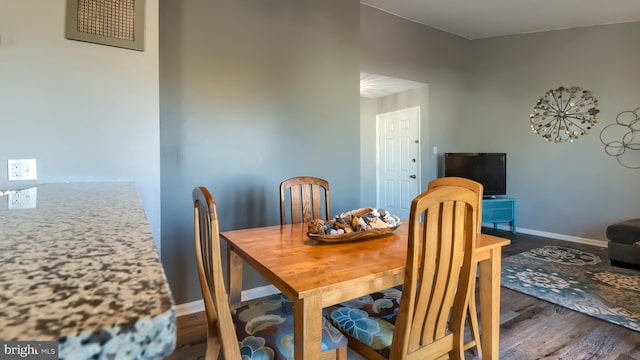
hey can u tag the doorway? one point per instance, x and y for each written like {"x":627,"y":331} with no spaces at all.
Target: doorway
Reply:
{"x":398,"y":160}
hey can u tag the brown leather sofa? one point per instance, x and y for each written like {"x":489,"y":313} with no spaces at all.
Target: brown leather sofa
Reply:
{"x":623,"y":248}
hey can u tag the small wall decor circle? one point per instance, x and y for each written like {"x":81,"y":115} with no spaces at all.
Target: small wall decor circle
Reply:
{"x":564,"y":114}
{"x":622,"y":137}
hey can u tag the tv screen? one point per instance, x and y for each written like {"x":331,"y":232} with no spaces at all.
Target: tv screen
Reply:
{"x":489,"y":169}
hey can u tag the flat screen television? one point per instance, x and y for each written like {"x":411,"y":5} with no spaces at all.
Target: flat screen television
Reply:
{"x":489,"y":169}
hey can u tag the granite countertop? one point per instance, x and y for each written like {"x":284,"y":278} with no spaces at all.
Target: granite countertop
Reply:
{"x":81,"y":268}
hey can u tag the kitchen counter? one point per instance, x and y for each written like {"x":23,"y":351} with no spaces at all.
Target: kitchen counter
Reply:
{"x":78,"y":265}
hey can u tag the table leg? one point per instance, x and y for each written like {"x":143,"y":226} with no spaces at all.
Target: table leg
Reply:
{"x":307,"y":328}
{"x":234,"y":273}
{"x":490,"y":304}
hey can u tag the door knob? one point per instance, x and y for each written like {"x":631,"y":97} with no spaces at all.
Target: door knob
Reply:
{"x":412,"y":176}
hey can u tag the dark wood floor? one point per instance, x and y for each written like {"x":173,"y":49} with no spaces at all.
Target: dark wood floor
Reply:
{"x":530,"y":328}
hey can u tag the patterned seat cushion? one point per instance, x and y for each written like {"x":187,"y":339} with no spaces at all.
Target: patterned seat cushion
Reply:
{"x":369,"y":319}
{"x":265,"y":330}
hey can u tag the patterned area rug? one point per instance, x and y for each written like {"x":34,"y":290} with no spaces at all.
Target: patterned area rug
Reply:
{"x":578,"y":280}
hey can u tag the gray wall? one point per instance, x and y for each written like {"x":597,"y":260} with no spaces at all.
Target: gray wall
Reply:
{"x":251,"y":94}
{"x":563,"y":188}
{"x":368,"y":180}
{"x":86,"y":112}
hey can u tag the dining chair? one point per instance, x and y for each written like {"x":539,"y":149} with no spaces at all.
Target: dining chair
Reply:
{"x":258,"y":330}
{"x":472,"y":313}
{"x":306,"y":197}
{"x":429,"y":323}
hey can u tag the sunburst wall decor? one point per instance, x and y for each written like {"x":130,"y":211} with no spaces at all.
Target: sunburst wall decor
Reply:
{"x":564,"y":114}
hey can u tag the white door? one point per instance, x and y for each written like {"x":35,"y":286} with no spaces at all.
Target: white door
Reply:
{"x":398,"y":162}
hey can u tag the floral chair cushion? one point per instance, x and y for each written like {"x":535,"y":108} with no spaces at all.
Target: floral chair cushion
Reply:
{"x":369,"y":319}
{"x":265,"y":330}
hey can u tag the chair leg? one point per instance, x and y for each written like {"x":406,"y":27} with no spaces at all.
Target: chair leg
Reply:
{"x":472,"y":315}
{"x":337,"y":354}
{"x":212,"y":350}
{"x":341,"y":353}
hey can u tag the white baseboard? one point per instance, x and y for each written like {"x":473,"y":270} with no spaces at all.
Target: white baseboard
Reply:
{"x":594,"y":242}
{"x":189,"y":308}
{"x":250,"y":294}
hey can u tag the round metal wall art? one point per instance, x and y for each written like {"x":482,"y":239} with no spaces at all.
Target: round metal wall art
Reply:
{"x":622,"y":137}
{"x":564,"y":114}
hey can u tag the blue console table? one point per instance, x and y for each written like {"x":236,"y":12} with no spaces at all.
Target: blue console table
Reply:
{"x":499,"y":210}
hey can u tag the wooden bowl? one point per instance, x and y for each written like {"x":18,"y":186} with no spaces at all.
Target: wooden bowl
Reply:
{"x":352,"y":236}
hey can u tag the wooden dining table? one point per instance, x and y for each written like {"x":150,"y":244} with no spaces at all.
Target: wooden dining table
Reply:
{"x":315,"y":274}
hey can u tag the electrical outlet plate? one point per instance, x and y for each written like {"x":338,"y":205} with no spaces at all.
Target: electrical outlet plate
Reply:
{"x":22,"y":199}
{"x":24,"y":169}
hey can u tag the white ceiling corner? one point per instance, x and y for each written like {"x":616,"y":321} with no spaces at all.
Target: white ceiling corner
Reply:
{"x":476,"y":19}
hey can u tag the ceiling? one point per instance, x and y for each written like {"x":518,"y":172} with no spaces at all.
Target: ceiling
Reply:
{"x":373,"y":86}
{"x":477,"y":19}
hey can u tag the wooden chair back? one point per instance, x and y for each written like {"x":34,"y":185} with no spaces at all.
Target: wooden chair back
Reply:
{"x":436,"y":290}
{"x":307,"y":198}
{"x":474,"y":186}
{"x":478,"y":189}
{"x":221,"y":336}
